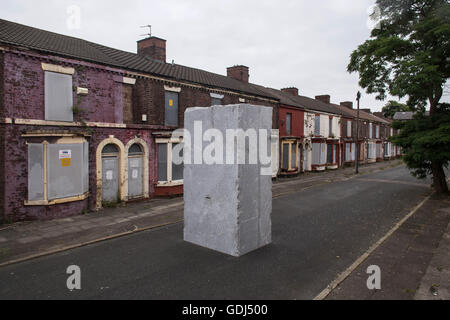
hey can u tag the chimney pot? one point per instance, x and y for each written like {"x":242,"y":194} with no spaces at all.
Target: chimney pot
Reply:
{"x":152,"y":47}
{"x":347,"y":104}
{"x":324,"y":98}
{"x":240,"y":73}
{"x":292,"y":90}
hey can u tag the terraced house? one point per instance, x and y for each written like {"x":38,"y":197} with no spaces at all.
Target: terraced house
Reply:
{"x":83,"y":126}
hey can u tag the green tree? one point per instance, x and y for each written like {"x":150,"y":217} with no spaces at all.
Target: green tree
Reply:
{"x":407,"y":55}
{"x":426,"y":143}
{"x":392,"y":107}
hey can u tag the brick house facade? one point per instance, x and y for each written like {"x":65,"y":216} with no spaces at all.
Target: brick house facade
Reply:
{"x":82,"y":125}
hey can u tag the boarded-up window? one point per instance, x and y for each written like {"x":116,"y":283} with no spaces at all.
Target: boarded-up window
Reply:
{"x":286,"y":156}
{"x":370,"y":130}
{"x":67,"y":171}
{"x":58,"y":97}
{"x":216,"y":102}
{"x":127,"y":98}
{"x":331,"y":127}
{"x":288,"y":124}
{"x":171,"y":109}
{"x":349,"y":128}
{"x":378,"y":132}
{"x":319,"y":154}
{"x":177,"y":170}
{"x":85,"y":167}
{"x":162,"y":162}
{"x":329,"y":153}
{"x":293,"y":156}
{"x":35,"y":172}
{"x":317,"y":126}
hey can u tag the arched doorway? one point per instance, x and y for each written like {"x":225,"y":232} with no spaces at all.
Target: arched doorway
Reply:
{"x":110,"y":174}
{"x":136,"y":156}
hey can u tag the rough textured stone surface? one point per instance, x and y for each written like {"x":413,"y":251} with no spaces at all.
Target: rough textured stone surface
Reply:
{"x":228,"y":207}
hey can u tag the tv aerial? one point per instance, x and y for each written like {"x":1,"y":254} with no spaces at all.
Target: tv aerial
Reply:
{"x":149,"y":34}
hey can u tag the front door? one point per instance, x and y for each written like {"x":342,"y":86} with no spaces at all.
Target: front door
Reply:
{"x":110,"y":179}
{"x":135,"y":181}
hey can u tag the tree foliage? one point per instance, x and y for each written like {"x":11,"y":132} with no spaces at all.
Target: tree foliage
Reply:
{"x":425,"y":140}
{"x":392,"y":107}
{"x":407,"y":55}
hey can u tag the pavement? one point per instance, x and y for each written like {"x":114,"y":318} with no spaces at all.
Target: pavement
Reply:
{"x":414,"y":261}
{"x":322,"y":224}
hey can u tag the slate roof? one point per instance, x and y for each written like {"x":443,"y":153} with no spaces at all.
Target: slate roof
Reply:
{"x":53,"y":43}
{"x":284,"y":98}
{"x":363,"y":115}
{"x":303,"y":102}
{"x":403,"y":115}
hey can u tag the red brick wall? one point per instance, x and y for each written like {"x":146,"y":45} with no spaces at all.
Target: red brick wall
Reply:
{"x":298,"y":122}
{"x":149,"y":98}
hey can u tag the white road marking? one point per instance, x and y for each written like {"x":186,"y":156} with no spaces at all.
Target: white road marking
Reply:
{"x":341,"y":277}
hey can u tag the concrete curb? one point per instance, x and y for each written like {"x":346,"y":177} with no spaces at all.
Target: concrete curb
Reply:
{"x":84,"y":244}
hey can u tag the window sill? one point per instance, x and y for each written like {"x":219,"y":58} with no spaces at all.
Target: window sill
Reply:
{"x":57,"y":201}
{"x":171,"y":184}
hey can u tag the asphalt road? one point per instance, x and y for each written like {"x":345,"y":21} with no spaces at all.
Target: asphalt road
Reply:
{"x":317,"y":234}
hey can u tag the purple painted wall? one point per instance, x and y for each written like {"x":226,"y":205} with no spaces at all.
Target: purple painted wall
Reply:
{"x":24,"y":89}
{"x":23,"y":86}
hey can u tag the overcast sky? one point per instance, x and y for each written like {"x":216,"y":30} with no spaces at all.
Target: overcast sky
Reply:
{"x":299,"y":43}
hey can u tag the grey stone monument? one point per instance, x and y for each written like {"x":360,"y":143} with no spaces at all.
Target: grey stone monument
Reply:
{"x":228,"y":207}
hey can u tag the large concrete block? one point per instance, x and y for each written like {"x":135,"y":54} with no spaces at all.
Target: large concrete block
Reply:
{"x":228,"y":207}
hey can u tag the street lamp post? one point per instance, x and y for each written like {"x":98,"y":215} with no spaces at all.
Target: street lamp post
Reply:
{"x":358,"y":98}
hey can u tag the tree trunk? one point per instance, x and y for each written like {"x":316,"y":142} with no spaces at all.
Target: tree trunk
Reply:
{"x":439,"y":179}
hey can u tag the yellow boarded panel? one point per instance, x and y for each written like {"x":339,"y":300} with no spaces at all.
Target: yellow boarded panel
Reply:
{"x":66,"y":162}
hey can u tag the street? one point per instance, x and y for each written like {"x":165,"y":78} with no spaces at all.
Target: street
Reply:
{"x":317,"y":234}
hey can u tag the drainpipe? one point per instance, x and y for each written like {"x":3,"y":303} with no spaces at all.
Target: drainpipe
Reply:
{"x":358,"y":98}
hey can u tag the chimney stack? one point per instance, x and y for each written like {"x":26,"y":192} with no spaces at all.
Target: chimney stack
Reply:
{"x":240,"y":73}
{"x":324,"y":98}
{"x":152,"y":47}
{"x":366,"y":110}
{"x":347,"y":104}
{"x":293,"y":91}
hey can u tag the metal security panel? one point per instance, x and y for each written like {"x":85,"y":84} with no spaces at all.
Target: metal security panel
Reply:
{"x":135,"y":180}
{"x":86,"y":167}
{"x":162,"y":162}
{"x":177,"y":170}
{"x":35,"y":172}
{"x":323,"y":153}
{"x":329,"y":153}
{"x":58,"y":97}
{"x":316,"y":153}
{"x":286,"y":156}
{"x":110,"y":179}
{"x":317,"y":126}
{"x":171,"y":109}
{"x":65,"y":164}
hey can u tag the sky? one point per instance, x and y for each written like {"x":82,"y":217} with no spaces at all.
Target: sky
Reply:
{"x":300,"y":43}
